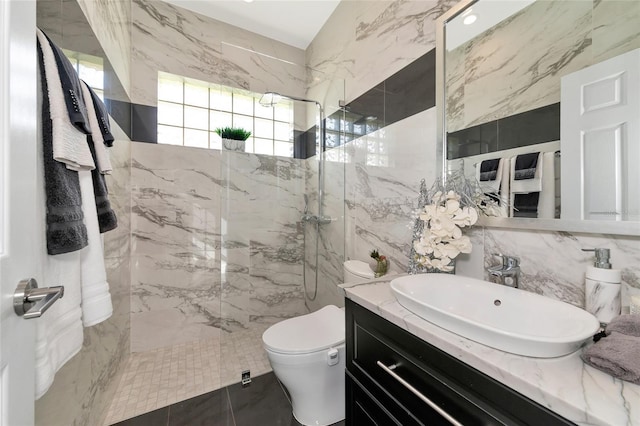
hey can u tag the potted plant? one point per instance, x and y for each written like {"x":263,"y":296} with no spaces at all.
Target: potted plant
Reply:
{"x":381,"y":263}
{"x":233,"y":138}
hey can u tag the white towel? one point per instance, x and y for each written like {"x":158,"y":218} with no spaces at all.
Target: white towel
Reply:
{"x":547,"y":200}
{"x":96,"y":299}
{"x":69,"y":144}
{"x":491,"y":185}
{"x":59,"y":332}
{"x":86,"y":301}
{"x":102,"y":155}
{"x":505,"y":188}
{"x":525,"y":186}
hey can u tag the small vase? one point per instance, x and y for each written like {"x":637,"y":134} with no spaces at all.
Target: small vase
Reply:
{"x":233,"y":145}
{"x":381,"y":268}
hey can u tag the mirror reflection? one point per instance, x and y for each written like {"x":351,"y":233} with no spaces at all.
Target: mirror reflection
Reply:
{"x":542,"y":106}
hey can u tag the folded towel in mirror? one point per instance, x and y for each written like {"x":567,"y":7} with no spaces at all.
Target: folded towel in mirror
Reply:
{"x":525,"y":167}
{"x":490,"y":175}
{"x":526,"y":205}
{"x":625,"y":324}
{"x":616,"y":355}
{"x":489,"y":169}
{"x":526,"y":173}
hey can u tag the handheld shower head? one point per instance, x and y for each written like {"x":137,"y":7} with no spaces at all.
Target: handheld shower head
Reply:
{"x":306,"y":203}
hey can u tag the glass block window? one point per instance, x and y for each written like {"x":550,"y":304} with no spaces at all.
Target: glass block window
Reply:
{"x":378,"y":150}
{"x":89,"y":68}
{"x":190,"y":110}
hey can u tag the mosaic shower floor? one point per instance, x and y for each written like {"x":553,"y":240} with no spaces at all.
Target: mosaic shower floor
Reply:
{"x":164,"y":376}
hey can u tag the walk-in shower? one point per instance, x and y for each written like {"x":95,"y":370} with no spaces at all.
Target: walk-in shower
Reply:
{"x":270,"y":99}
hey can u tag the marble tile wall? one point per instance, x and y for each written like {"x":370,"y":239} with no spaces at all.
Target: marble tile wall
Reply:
{"x":217,"y":246}
{"x":172,"y":39}
{"x":111,"y":23}
{"x":529,"y":53}
{"x":89,"y":380}
{"x":561,"y":275}
{"x":364,"y":42}
{"x":175,"y":210}
{"x":378,"y":179}
{"x":325,"y":245}
{"x":262,"y":239}
{"x":381,"y":191}
{"x":379,"y":199}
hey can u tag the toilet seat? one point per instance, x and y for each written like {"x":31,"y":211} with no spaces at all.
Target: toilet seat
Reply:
{"x":313,"y":332}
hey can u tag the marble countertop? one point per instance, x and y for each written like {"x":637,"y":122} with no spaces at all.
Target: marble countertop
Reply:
{"x":565,"y":385}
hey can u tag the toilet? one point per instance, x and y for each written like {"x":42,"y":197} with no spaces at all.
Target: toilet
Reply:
{"x":307,"y":354}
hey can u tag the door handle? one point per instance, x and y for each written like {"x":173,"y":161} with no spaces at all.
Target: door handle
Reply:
{"x":29,"y":301}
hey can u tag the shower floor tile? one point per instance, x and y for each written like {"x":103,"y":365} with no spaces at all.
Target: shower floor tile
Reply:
{"x":165,"y":376}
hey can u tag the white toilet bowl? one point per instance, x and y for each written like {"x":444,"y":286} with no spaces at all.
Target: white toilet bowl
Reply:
{"x":307,"y":354}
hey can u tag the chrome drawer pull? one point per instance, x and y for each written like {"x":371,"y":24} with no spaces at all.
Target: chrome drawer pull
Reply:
{"x":414,"y":391}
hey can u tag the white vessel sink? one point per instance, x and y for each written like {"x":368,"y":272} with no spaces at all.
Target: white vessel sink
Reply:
{"x":504,"y":318}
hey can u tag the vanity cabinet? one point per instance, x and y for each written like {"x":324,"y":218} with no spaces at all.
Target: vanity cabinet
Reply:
{"x":394,"y":377}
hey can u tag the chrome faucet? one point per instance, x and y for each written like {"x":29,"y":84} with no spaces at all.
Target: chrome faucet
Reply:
{"x":509,"y":272}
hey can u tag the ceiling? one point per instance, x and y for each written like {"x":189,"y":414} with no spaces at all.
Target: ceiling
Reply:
{"x":294,"y":22}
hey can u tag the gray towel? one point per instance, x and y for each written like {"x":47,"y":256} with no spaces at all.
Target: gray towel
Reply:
{"x":625,"y":324}
{"x":66,"y":231}
{"x":106,"y":216}
{"x":616,"y":355}
{"x":526,"y":164}
{"x":489,"y":169}
{"x":103,"y":118}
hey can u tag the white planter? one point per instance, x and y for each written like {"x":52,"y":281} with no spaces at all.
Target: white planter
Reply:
{"x":233,"y":145}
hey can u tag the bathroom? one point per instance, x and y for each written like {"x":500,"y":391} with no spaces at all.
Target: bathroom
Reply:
{"x":210,"y":245}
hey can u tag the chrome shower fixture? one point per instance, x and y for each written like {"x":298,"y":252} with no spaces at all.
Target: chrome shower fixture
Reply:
{"x":270,"y":99}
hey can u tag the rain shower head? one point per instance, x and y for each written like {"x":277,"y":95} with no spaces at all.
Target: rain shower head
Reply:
{"x":270,"y":99}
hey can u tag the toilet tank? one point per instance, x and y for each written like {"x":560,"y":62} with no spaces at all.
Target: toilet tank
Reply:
{"x":357,"y":271}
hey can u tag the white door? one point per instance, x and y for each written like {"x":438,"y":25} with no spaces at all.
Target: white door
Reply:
{"x":17,"y":205}
{"x":600,"y":140}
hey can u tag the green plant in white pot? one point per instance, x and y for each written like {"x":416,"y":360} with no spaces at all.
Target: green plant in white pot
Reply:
{"x":233,"y":138}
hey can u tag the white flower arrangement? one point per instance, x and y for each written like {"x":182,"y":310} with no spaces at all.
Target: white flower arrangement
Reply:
{"x":441,"y":239}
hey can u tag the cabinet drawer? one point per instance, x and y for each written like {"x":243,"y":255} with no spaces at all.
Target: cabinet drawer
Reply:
{"x":363,"y":409}
{"x":388,"y":369}
{"x":469,"y":396}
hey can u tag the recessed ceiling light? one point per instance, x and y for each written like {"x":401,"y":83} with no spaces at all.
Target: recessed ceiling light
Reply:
{"x":468,"y":20}
{"x":248,"y":1}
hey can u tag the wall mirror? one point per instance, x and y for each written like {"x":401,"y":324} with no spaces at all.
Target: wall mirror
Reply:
{"x":506,"y":89}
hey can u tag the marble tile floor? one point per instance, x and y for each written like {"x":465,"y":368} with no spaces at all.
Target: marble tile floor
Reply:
{"x":264,"y":402}
{"x":165,"y":376}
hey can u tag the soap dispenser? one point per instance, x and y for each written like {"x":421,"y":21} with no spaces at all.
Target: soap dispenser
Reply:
{"x":602,"y":287}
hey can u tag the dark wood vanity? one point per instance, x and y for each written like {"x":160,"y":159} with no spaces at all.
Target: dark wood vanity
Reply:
{"x":391,"y":374}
